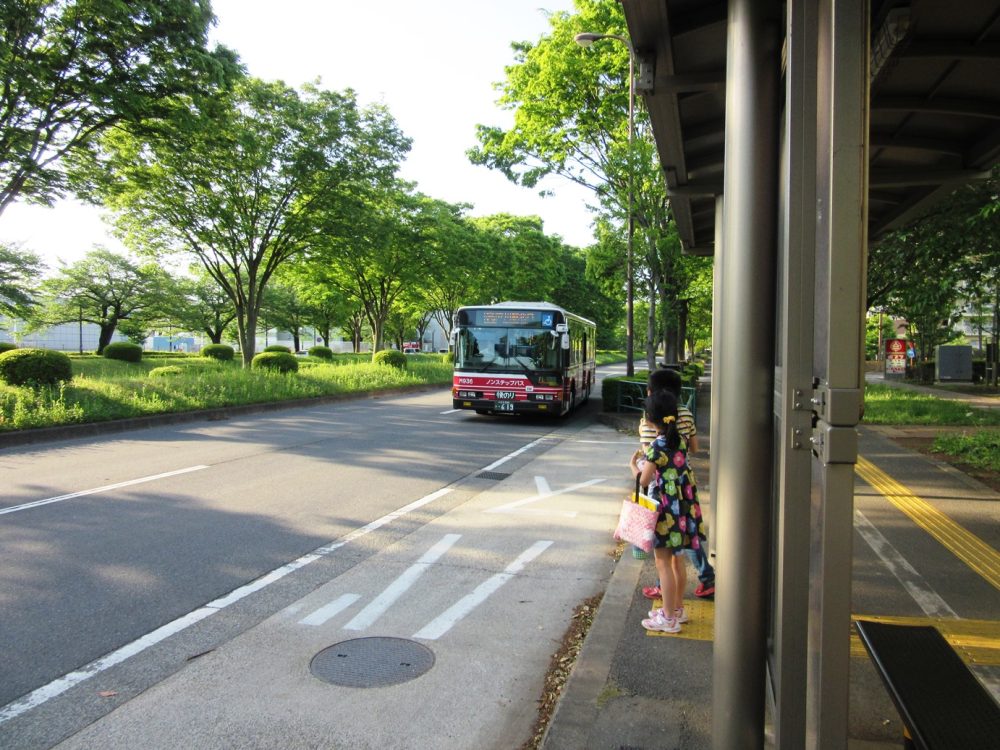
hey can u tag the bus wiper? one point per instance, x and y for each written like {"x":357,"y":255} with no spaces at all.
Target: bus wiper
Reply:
{"x":488,"y":365}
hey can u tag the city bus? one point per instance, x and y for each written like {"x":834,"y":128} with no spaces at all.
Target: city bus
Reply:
{"x":522,"y":358}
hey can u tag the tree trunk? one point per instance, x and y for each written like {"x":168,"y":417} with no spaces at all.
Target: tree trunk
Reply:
{"x":295,"y":340}
{"x":107,"y":331}
{"x":682,"y":322}
{"x":651,"y":327}
{"x":248,"y":337}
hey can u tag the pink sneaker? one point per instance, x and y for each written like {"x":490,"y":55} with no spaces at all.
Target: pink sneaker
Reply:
{"x":662,"y":624}
{"x":681,"y":615}
{"x":651,"y":592}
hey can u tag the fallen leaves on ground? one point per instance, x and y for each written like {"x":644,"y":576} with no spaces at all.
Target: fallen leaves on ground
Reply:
{"x":560,"y":666}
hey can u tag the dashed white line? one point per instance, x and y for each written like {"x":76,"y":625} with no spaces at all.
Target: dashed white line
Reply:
{"x":450,"y":411}
{"x":105,"y":488}
{"x":447,"y":619}
{"x":509,"y":456}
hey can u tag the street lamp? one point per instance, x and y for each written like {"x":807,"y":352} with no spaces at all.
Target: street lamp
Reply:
{"x":585,"y":39}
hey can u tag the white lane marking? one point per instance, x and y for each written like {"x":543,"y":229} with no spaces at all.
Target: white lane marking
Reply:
{"x":327,"y":611}
{"x":105,"y":488}
{"x":450,"y":411}
{"x":451,"y":616}
{"x":509,"y":456}
{"x":928,"y":599}
{"x":381,"y":603}
{"x":515,"y":506}
{"x":543,"y":486}
{"x":61,"y":684}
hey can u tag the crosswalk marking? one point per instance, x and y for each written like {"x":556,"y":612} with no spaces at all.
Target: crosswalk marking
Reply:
{"x":447,"y":619}
{"x":332,"y":609}
{"x":380,"y":604}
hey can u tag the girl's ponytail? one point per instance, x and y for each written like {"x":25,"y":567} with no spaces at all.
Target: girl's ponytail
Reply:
{"x":661,"y":410}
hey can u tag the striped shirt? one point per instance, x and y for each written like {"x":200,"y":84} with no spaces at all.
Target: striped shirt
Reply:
{"x":685,"y":426}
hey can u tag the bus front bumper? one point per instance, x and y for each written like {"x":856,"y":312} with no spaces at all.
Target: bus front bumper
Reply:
{"x":508,"y":407}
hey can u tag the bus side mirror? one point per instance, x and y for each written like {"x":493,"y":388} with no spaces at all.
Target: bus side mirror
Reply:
{"x":565,"y":341}
{"x":562,"y":327}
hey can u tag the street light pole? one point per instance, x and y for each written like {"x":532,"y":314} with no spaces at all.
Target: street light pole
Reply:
{"x":585,"y":39}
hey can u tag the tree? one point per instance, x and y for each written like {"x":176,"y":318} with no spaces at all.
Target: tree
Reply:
{"x":242,"y":183}
{"x":287,"y":310}
{"x":204,"y":307}
{"x":19,"y":270}
{"x":74,"y":68}
{"x":375,"y":248}
{"x":103,"y":288}
{"x":570,"y":120}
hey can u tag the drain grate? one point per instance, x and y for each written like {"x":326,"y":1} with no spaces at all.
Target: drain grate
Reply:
{"x":372,"y":662}
{"x":497,"y":475}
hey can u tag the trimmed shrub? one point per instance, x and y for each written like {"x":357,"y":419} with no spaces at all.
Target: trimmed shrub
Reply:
{"x":7,"y":346}
{"x":278,"y":348}
{"x":35,"y":367}
{"x":321,"y":352}
{"x":278,"y":361}
{"x":166,"y":371}
{"x":391,"y":357}
{"x":447,"y":357}
{"x":126,"y":351}
{"x":221,"y":352}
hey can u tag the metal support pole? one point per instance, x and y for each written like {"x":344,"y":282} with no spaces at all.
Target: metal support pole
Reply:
{"x":742,"y":447}
{"x":629,"y":289}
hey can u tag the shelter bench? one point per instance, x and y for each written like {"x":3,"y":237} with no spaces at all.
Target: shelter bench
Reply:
{"x":940,"y":701}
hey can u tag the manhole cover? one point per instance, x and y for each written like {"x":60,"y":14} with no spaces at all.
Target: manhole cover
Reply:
{"x":495,"y":475}
{"x":372,"y":662}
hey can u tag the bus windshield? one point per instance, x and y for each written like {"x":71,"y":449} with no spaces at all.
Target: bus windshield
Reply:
{"x":524,"y":349}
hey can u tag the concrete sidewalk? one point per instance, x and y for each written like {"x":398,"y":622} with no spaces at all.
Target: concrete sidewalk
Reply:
{"x":630,"y":689}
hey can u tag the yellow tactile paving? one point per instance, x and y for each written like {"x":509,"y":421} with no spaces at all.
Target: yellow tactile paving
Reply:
{"x":968,"y":547}
{"x":976,"y":641}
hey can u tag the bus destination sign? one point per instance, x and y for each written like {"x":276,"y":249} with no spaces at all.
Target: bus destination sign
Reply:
{"x":515,"y":318}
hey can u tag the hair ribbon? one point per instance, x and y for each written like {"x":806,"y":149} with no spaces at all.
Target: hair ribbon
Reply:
{"x":668,"y":420}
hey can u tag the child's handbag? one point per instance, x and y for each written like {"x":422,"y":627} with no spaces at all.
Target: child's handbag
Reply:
{"x":637,"y":522}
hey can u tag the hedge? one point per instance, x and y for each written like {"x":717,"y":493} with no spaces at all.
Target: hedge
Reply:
{"x":35,"y":367}
{"x":125,"y":351}
{"x":221,"y":352}
{"x":392,"y":357}
{"x":279,"y":361}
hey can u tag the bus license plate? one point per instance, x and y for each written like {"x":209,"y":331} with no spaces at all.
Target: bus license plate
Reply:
{"x":504,"y":406}
{"x":504,"y":396}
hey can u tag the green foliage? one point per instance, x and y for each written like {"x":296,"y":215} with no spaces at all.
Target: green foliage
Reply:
{"x":6,"y":346}
{"x":104,"y":288}
{"x":605,"y":357}
{"x":220,"y":352}
{"x":35,"y":367}
{"x":73,"y":69}
{"x":278,"y":361}
{"x":125,"y":351}
{"x":256,"y":177}
{"x":448,"y":357}
{"x":19,"y":270}
{"x":391,"y":357}
{"x":980,"y":449}
{"x":108,"y":389}
{"x":278,"y":348}
{"x":167,"y":371}
{"x":692,"y":372}
{"x":321,"y":352}
{"x":888,"y":405}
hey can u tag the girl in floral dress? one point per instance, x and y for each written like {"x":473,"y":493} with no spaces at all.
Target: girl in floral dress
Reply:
{"x":670,"y":480}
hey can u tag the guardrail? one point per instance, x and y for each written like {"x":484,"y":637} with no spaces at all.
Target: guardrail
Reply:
{"x":632,"y":396}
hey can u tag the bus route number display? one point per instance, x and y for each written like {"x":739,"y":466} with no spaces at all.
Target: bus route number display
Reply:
{"x":516,"y":318}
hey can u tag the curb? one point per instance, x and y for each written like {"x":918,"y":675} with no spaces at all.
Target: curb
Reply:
{"x":94,"y":429}
{"x":578,"y":707}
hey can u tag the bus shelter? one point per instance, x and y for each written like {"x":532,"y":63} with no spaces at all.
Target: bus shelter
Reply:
{"x":791,"y":134}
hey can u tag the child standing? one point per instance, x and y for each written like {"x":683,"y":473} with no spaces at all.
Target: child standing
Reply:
{"x":670,"y":480}
{"x":670,"y":381}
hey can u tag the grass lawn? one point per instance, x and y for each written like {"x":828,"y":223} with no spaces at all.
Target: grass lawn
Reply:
{"x":104,"y":389}
{"x":896,"y":406}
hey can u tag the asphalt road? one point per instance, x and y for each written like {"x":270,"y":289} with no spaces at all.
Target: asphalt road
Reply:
{"x":114,"y":541}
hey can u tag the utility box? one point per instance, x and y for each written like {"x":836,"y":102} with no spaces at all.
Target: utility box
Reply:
{"x":953,"y":363}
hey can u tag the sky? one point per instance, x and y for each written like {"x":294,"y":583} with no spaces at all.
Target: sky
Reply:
{"x":432,"y":63}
